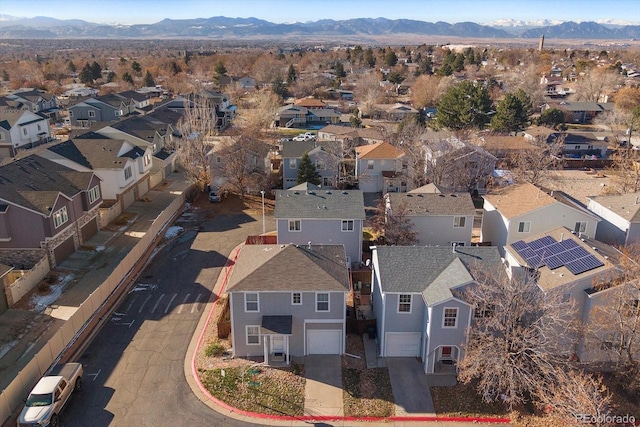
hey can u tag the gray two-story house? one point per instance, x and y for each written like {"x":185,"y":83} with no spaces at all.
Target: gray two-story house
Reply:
{"x":440,"y":217}
{"x":325,"y":162}
{"x":288,"y":300}
{"x":418,"y":300}
{"x":308,"y":215}
{"x":381,"y":168}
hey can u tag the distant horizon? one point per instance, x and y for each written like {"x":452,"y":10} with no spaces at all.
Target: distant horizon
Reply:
{"x":485,"y":12}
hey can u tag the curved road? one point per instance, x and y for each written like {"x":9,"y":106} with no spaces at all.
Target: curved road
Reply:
{"x":134,"y":368}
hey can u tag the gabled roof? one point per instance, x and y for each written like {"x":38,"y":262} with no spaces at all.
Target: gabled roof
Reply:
{"x":379,"y":150}
{"x":296,"y":149}
{"x":132,"y":94}
{"x":102,"y":153}
{"x":455,"y":274}
{"x":35,"y":183}
{"x":428,"y":204}
{"x":290,"y":268}
{"x":114,"y":99}
{"x":309,"y":102}
{"x":10,"y":116}
{"x":321,"y":204}
{"x":626,"y":206}
{"x":518,"y":199}
{"x":306,"y":186}
{"x":413,"y":269}
{"x":138,"y":127}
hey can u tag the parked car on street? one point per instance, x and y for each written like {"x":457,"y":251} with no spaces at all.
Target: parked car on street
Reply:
{"x":213,"y":194}
{"x":50,"y":394}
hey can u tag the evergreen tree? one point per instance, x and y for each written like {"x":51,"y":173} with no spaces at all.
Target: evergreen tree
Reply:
{"x":148,"y":80}
{"x":220,"y":69}
{"x":463,"y":106}
{"x":307,"y":171}
{"x":390,"y":58}
{"x":278,"y":87}
{"x":291,"y":74}
{"x":136,"y":67}
{"x":512,"y":113}
{"x":369,"y":58}
{"x":551,"y":117}
{"x":110,"y":76}
{"x":126,"y":77}
{"x":339,"y":69}
{"x":96,"y":70}
{"x":395,"y":77}
{"x":85,"y":75}
{"x":71,"y":66}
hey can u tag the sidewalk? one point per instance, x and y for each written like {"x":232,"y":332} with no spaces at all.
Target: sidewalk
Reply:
{"x":83,"y":272}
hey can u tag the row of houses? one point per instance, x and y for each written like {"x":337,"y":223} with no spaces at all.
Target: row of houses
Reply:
{"x":289,"y":299}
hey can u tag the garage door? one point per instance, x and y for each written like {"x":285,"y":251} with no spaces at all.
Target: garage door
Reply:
{"x":63,"y":250}
{"x":89,"y":229}
{"x":324,"y":341}
{"x":402,"y":344}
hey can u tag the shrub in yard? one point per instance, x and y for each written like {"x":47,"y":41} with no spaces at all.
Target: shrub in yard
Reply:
{"x":214,"y":349}
{"x":44,"y":287}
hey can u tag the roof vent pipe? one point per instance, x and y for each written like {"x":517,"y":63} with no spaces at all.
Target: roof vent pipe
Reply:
{"x":309,"y":245}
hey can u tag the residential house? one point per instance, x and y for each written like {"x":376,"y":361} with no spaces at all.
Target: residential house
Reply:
{"x":45,"y":205}
{"x":349,"y":136}
{"x":247,"y":82}
{"x":517,"y":211}
{"x":505,"y":148}
{"x":141,"y":101}
{"x":243,"y":161}
{"x":222,"y":110}
{"x":146,"y":131}
{"x":37,"y":101}
{"x":583,"y":144}
{"x":293,"y":116}
{"x":323,"y":217}
{"x":123,"y":167}
{"x":20,"y":129}
{"x":381,"y":168}
{"x":580,"y":112}
{"x":457,"y":165}
{"x":440,"y":217}
{"x":620,"y":215}
{"x":394,"y":112}
{"x":568,"y":267}
{"x":325,"y":161}
{"x":310,"y":102}
{"x":288,"y":301}
{"x":106,"y":108}
{"x":418,"y":304}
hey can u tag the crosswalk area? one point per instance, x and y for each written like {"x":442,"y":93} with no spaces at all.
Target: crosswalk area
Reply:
{"x":150,"y":300}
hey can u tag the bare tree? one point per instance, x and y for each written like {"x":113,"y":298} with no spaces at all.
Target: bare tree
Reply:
{"x":613,"y":329}
{"x":594,"y":83}
{"x":261,"y":112}
{"x":238,"y":161}
{"x":534,"y":165}
{"x":368,"y":91}
{"x":522,"y":338}
{"x":197,"y":126}
{"x":394,"y":223}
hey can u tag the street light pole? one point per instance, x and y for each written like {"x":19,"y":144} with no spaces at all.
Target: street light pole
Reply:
{"x":263,"y":224}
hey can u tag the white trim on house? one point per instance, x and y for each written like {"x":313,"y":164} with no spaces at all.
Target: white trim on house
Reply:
{"x":328,"y":301}
{"x":445,"y":318}
{"x":293,"y":299}
{"x":247,"y":302}
{"x":404,"y":304}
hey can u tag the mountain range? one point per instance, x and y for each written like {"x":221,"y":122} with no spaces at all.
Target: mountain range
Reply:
{"x":220,"y":27}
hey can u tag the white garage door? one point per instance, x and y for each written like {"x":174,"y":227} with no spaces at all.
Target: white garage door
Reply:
{"x":402,"y":344}
{"x":324,"y":341}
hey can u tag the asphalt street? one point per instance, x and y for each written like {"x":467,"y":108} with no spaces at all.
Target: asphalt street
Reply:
{"x":134,"y":368}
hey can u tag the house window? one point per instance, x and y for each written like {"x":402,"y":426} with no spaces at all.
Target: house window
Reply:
{"x":320,"y":165}
{"x":404,"y":303}
{"x":484,"y":310}
{"x":39,"y":128}
{"x":70,"y":113}
{"x":127,"y":173}
{"x":294,"y":225}
{"x":24,"y":131}
{"x":459,"y":221}
{"x":251,"y":302}
{"x":524,"y":226}
{"x":293,"y":163}
{"x":296,"y":298}
{"x":369,"y":164}
{"x":94,"y":194}
{"x":92,"y":113}
{"x":60,"y":217}
{"x":253,"y":334}
{"x":450,"y":318}
{"x":580,"y":227}
{"x":347,"y":225}
{"x":146,"y":160}
{"x":322,"y":301}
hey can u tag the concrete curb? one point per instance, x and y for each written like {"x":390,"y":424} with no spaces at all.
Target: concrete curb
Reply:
{"x":191,"y":374}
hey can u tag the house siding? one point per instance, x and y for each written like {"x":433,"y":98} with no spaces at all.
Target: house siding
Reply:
{"x":327,"y":232}
{"x":403,"y":322}
{"x":26,"y":228}
{"x":439,"y":336}
{"x":279,"y":304}
{"x":439,"y":230}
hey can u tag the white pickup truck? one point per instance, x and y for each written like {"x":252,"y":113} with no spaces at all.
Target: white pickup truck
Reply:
{"x":49,"y":396}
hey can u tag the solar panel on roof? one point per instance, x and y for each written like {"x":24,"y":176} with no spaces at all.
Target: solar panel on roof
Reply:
{"x":581,"y":265}
{"x":547,"y":240}
{"x":520,"y":244}
{"x":554,"y":262}
{"x":578,"y":252}
{"x":568,"y":244}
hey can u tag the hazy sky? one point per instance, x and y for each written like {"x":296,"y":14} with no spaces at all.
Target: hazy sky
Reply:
{"x":451,"y":11}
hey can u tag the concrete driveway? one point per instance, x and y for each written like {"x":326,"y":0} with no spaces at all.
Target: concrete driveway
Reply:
{"x":410,"y":387}
{"x":323,"y":389}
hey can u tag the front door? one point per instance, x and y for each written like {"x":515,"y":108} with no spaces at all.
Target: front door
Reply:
{"x":277,"y":344}
{"x":445,"y":353}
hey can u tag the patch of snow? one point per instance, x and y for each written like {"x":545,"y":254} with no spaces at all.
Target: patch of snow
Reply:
{"x":173,"y":231}
{"x":5,"y":348}
{"x":40,"y":302}
{"x":100,"y":248}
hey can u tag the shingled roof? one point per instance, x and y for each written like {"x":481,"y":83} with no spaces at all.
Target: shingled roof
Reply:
{"x":35,"y":183}
{"x":321,"y":204}
{"x":379,"y":150}
{"x":422,"y":204}
{"x":99,"y":153}
{"x":290,"y":268}
{"x":432,"y":270}
{"x":626,"y":206}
